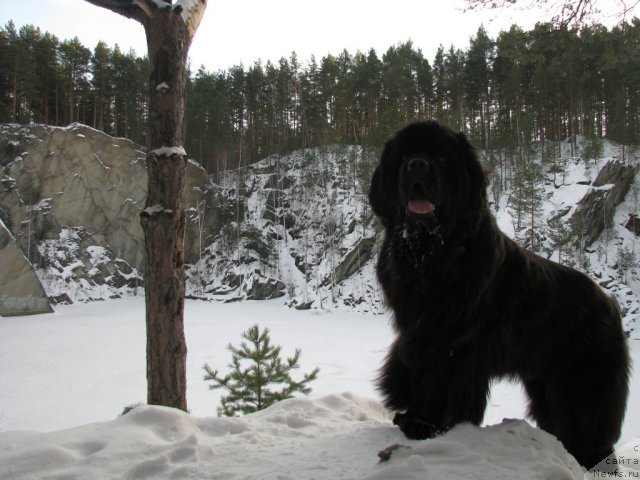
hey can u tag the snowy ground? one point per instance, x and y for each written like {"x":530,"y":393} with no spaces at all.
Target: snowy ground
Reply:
{"x":69,"y":374}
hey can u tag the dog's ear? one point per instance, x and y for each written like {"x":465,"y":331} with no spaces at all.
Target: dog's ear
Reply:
{"x":382,"y":193}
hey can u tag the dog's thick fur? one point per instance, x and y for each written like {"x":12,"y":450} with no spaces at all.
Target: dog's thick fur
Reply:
{"x":470,"y":305}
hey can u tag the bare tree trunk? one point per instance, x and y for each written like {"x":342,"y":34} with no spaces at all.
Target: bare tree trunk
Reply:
{"x":14,"y":106}
{"x":169,"y":29}
{"x":163,"y":221}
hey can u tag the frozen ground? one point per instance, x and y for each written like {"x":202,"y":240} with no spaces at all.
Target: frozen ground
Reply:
{"x":65,"y":377}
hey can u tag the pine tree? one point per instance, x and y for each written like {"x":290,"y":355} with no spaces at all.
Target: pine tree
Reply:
{"x":476,"y":75}
{"x":560,"y":235}
{"x":75,"y":68}
{"x":526,"y":200}
{"x":626,"y":261}
{"x":259,"y":377}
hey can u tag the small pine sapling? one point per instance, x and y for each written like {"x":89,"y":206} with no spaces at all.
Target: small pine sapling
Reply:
{"x":258,"y":377}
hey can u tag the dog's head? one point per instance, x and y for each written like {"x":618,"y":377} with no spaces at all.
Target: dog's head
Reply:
{"x":429,"y":177}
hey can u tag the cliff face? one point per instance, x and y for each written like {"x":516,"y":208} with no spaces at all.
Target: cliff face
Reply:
{"x":297,"y":226}
{"x":79,"y":176}
{"x":71,"y":198}
{"x":598,"y":207}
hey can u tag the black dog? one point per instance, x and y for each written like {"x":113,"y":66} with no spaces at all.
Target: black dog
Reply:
{"x":470,"y":306}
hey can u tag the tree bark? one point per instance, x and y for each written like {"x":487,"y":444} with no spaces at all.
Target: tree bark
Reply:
{"x":169,"y":30}
{"x":163,"y":221}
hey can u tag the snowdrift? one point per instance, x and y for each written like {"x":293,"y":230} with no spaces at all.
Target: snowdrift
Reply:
{"x":337,"y":436}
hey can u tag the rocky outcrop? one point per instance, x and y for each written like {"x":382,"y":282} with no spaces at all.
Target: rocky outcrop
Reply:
{"x":78,"y":176}
{"x":55,"y":180}
{"x":617,"y":174}
{"x":21,"y":292}
{"x":355,"y":259}
{"x":296,"y":226}
{"x":266,"y":290}
{"x":596,"y":209}
{"x":77,"y":267}
{"x":633,"y":225}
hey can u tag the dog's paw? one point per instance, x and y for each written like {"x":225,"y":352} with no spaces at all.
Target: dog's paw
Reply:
{"x":417,"y":429}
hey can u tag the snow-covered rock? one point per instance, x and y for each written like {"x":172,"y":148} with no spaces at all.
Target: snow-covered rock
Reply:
{"x":78,"y":176}
{"x":79,"y":270}
{"x":597,"y":208}
{"x":77,"y":179}
{"x":301,"y":222}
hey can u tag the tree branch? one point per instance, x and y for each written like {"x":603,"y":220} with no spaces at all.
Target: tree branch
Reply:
{"x":564,"y":13}
{"x":126,"y":8}
{"x":626,"y":9}
{"x":145,"y":8}
{"x":192,"y":12}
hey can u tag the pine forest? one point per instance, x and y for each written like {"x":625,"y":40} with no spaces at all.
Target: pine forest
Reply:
{"x":508,"y":93}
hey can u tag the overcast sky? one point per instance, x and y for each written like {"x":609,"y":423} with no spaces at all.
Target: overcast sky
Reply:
{"x":243,"y":31}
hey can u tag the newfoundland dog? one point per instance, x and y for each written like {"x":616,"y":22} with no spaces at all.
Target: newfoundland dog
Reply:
{"x":470,"y":305}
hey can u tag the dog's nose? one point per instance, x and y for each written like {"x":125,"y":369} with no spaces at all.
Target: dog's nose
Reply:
{"x":417,"y":164}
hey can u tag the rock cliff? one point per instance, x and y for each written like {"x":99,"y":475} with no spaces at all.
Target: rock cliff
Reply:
{"x":596,"y":210}
{"x":21,"y":292}
{"x":297,"y":226}
{"x":72,"y":198}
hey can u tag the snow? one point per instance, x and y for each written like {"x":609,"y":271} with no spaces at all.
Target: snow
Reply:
{"x":156,"y":209}
{"x":169,"y":151}
{"x":161,"y":4}
{"x":334,"y":437}
{"x":66,"y":376}
{"x":188,"y":7}
{"x":44,"y":204}
{"x":82,"y":272}
{"x":102,"y":163}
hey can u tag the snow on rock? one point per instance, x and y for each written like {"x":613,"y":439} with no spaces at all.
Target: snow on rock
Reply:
{"x":337,"y":436}
{"x":300,"y":222}
{"x":77,"y":179}
{"x":81,"y":271}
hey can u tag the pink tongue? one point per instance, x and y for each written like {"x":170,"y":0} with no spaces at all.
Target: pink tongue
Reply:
{"x":421,"y":207}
